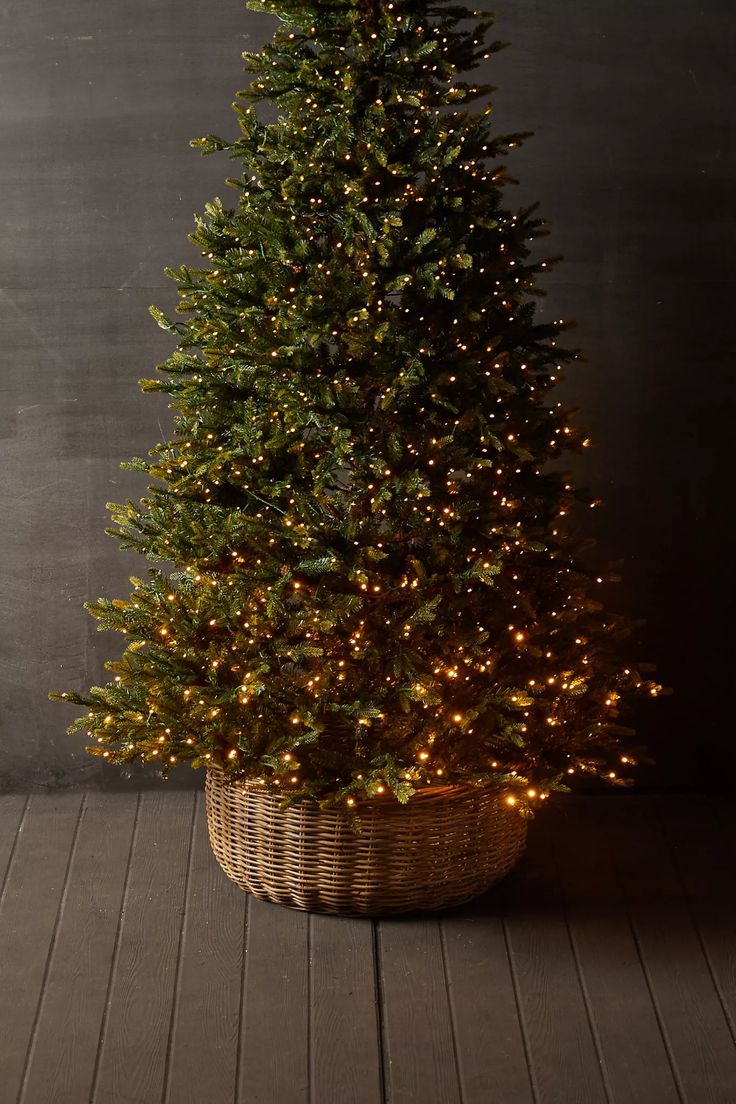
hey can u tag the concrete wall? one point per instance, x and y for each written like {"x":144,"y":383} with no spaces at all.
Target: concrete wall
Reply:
{"x":633,"y":160}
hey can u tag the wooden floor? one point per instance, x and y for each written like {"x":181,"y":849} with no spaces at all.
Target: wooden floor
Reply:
{"x":603,"y":970}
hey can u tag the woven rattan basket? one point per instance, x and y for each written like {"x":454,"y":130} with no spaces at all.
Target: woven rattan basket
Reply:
{"x":444,"y":847}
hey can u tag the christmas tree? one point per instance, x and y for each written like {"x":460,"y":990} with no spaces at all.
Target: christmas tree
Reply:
{"x":369,"y":574}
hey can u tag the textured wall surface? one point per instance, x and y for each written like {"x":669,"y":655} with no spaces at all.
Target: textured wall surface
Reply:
{"x":633,"y":161}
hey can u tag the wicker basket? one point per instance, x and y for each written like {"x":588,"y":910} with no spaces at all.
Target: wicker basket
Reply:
{"x":446,"y":846}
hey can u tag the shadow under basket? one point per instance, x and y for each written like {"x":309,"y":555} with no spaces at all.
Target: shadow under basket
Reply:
{"x":447,"y":845}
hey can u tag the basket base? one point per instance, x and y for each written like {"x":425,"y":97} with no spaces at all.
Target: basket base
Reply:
{"x":366,"y":910}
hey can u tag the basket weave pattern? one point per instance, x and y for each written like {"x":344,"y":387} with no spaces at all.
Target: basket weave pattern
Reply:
{"x":446,"y":846}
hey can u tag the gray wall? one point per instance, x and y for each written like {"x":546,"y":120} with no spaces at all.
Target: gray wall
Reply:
{"x":633,"y":160}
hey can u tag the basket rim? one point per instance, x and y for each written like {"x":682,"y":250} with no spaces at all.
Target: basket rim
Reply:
{"x":447,"y":791}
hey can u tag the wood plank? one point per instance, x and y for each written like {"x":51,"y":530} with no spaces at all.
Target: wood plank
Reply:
{"x":345,"y":1044}
{"x":274,"y":1062}
{"x":136,"y":1027}
{"x":64,"y":1047}
{"x":29,"y":916}
{"x":492,"y":1059}
{"x":701,"y":835}
{"x":203,"y":1052}
{"x":692,"y":1018}
{"x":12,"y":811}
{"x":563,"y":1055}
{"x":636,"y":1065}
{"x":419,"y":1047}
{"x":612,"y":946}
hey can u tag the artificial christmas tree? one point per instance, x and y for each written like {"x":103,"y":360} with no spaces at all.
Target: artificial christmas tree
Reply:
{"x":370,"y":585}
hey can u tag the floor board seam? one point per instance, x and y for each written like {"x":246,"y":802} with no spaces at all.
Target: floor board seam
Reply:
{"x":241,"y":1006}
{"x":587,"y":1003}
{"x":50,"y":953}
{"x":520,"y":1014}
{"x":177,"y":968}
{"x":115,"y":955}
{"x":687,"y":897}
{"x":13,"y":849}
{"x":451,"y":1010}
{"x":594,"y":1034}
{"x":647,"y":977}
{"x":310,"y":1056}
{"x":383,"y":1056}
